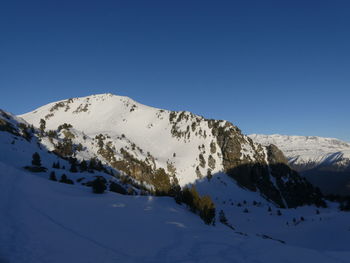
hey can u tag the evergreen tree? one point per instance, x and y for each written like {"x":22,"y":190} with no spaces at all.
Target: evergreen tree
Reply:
{"x":83,"y":166}
{"x":99,"y":185}
{"x":222,"y":217}
{"x":99,"y":166}
{"x":42,"y":125}
{"x":207,"y":210}
{"x":73,"y":168}
{"x":36,"y":161}
{"x":53,"y":176}
{"x":92,"y":164}
{"x":64,"y":179}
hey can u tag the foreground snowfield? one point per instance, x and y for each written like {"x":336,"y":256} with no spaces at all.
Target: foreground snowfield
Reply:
{"x":44,"y":221}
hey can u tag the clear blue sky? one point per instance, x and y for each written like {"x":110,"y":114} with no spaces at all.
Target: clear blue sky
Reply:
{"x":267,"y":66}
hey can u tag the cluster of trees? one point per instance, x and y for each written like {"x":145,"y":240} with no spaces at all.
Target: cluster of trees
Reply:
{"x":202,"y":205}
{"x":84,"y":166}
{"x":64,"y":179}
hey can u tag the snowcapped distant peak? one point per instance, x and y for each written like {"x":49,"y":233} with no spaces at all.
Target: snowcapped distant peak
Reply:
{"x":306,"y":150}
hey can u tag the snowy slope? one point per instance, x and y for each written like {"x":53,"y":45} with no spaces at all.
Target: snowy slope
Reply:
{"x":127,"y":122}
{"x":44,"y":221}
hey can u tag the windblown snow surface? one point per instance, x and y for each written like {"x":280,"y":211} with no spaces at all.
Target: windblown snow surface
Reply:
{"x":44,"y":221}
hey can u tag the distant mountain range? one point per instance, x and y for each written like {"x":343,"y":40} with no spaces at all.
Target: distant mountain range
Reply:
{"x":323,"y":161}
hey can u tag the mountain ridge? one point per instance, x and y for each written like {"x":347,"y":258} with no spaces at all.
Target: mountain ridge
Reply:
{"x":140,"y":140}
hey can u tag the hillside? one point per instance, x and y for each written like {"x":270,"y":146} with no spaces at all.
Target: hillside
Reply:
{"x":62,"y":223}
{"x":151,"y":145}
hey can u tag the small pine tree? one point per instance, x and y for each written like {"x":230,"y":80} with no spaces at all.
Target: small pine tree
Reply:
{"x":53,"y":176}
{"x":206,"y":210}
{"x":99,"y":185}
{"x":269,"y":209}
{"x":73,"y":168}
{"x":83,"y":166}
{"x":63,"y":178}
{"x":42,"y":125}
{"x":279,"y":213}
{"x":92,"y":164}
{"x":245,"y":210}
{"x":36,"y":160}
{"x":222,"y":217}
{"x":99,"y":166}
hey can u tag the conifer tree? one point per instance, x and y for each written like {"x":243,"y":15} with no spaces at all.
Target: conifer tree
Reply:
{"x":53,"y":176}
{"x":222,"y":217}
{"x":73,"y":168}
{"x":83,"y":166}
{"x":42,"y":125}
{"x":36,"y":161}
{"x":99,"y":185}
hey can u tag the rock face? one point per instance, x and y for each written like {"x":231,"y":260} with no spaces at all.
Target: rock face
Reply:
{"x":158,"y":148}
{"x":268,"y":172}
{"x":323,"y":161}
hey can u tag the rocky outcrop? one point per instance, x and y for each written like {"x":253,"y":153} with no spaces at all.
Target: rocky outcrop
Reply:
{"x":265,"y":170}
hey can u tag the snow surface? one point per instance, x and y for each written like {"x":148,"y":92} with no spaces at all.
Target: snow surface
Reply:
{"x":44,"y":221}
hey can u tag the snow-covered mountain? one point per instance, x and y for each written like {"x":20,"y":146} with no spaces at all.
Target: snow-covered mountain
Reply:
{"x":45,"y":220}
{"x":324,"y":161}
{"x":158,"y":147}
